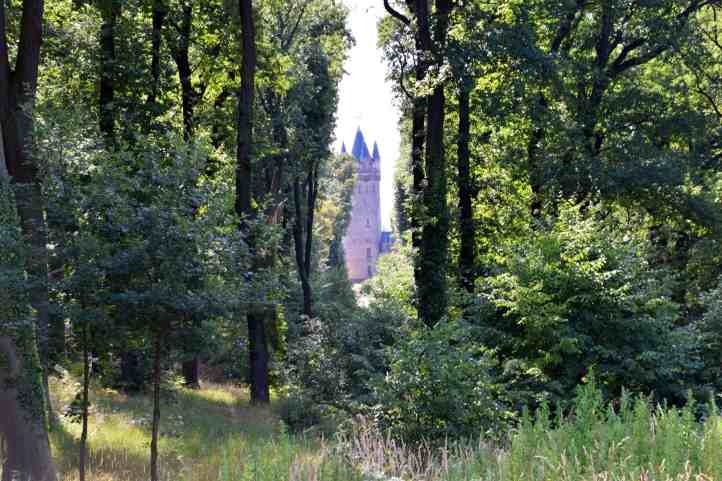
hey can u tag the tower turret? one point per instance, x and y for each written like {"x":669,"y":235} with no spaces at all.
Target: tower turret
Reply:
{"x":362,"y":239}
{"x":376,"y":157}
{"x":360,"y":150}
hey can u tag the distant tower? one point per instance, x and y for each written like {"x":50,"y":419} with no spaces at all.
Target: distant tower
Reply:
{"x":362,"y":242}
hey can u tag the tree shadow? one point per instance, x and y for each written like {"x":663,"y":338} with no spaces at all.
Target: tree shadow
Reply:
{"x":196,"y":425}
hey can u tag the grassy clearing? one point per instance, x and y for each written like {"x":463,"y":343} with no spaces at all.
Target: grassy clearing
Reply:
{"x":213,"y":434}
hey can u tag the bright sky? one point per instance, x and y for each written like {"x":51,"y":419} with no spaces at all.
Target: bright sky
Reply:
{"x":366,"y":99}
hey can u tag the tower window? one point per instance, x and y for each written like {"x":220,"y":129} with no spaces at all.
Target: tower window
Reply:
{"x":368,"y":252}
{"x":368,"y":223}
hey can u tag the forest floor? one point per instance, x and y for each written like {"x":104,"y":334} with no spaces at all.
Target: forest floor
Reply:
{"x":213,"y":434}
{"x":208,"y":434}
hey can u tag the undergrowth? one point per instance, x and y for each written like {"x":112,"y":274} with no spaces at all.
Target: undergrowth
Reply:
{"x":213,"y":434}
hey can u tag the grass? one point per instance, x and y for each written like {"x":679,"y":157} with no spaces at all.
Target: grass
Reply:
{"x":633,"y":442}
{"x":208,"y":434}
{"x":213,"y":434}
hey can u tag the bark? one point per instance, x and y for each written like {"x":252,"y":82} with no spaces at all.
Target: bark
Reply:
{"x":245,"y":111}
{"x":467,"y":251}
{"x":17,"y":99}
{"x":303,"y":236}
{"x":259,"y":356}
{"x":189,"y":96}
{"x":154,"y":474}
{"x":433,"y":255}
{"x":82,"y":455}
{"x":158,"y":20}
{"x":23,"y":423}
{"x":191,"y":373}
{"x":257,"y":316}
{"x":110,"y":10}
{"x":3,"y":166}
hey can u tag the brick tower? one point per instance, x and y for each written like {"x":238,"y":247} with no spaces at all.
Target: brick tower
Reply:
{"x":362,"y":242}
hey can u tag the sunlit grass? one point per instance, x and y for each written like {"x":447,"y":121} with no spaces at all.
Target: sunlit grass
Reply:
{"x":213,"y":434}
{"x":208,"y":434}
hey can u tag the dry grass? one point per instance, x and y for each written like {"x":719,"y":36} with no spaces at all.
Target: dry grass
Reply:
{"x":207,"y":435}
{"x":214,"y":435}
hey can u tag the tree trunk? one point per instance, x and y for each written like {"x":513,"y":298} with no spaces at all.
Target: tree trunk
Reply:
{"x":156,"y":406}
{"x":158,"y":19}
{"x":23,"y":423}
{"x":17,"y":100}
{"x":189,"y":97}
{"x":244,"y":173}
{"x":302,"y":250}
{"x":3,"y":165}
{"x":433,"y":255}
{"x":257,"y":343}
{"x":109,"y":12}
{"x":86,"y":388}
{"x":259,"y":356}
{"x":467,"y":230}
{"x":191,"y":373}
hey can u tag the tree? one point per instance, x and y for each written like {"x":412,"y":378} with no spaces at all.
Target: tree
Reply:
{"x":430,"y":219}
{"x":24,"y":422}
{"x":30,"y":452}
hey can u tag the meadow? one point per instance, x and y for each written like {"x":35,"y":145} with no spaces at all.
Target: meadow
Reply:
{"x":213,"y":434}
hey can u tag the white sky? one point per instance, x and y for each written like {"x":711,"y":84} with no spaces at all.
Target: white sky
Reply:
{"x":366,"y":99}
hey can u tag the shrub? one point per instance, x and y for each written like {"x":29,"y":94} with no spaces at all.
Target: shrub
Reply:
{"x":441,"y":383}
{"x":580,"y":295}
{"x":299,"y":413}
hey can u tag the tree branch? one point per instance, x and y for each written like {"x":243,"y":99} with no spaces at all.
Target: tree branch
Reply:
{"x":396,"y":14}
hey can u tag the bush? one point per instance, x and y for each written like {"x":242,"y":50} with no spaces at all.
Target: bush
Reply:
{"x":582,"y":295}
{"x":441,"y":383}
{"x":299,"y":413}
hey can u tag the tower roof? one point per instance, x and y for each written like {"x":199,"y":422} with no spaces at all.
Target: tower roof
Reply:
{"x":360,"y":149}
{"x":343,"y":148}
{"x":376,"y":156}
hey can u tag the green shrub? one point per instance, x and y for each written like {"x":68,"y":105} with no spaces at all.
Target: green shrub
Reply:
{"x":299,"y":413}
{"x":441,"y":383}
{"x":581,"y":294}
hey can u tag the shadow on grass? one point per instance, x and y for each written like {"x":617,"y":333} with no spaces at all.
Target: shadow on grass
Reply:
{"x":200,"y":430}
{"x":104,"y":462}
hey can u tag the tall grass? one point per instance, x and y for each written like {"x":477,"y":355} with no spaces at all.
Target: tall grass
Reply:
{"x":214,"y":435}
{"x":207,"y":435}
{"x":596,"y":442}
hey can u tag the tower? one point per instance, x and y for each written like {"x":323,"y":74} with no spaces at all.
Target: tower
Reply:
{"x":362,"y":242}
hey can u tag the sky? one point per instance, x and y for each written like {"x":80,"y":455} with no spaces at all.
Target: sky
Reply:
{"x":366,"y":99}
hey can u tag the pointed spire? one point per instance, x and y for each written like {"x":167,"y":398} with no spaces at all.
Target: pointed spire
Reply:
{"x":343,"y":148}
{"x":376,"y":157}
{"x":360,"y":149}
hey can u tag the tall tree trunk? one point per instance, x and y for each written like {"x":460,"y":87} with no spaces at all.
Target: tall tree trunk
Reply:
{"x":82,"y":454}
{"x":191,"y":373}
{"x":189,"y":97}
{"x":467,"y":230}
{"x":3,"y":164}
{"x":259,"y":357}
{"x":257,"y":342}
{"x":157,"y":354}
{"x":17,"y":100}
{"x":433,"y":255}
{"x":301,"y":239}
{"x":109,"y":10}
{"x":158,"y":19}
{"x":23,"y":422}
{"x":244,"y":173}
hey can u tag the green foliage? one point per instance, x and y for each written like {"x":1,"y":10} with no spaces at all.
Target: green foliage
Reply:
{"x":299,"y":413}
{"x":441,"y":383}
{"x":582,"y":295}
